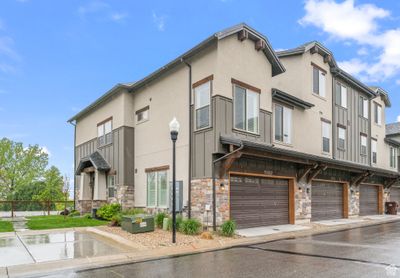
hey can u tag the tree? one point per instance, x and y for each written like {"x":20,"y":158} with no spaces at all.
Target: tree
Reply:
{"x":53,"y":186}
{"x":19,"y":166}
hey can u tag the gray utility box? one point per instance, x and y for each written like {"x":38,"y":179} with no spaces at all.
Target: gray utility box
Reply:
{"x":139,"y":223}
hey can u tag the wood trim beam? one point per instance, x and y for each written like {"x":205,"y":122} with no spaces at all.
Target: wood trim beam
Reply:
{"x":327,"y":59}
{"x":314,"y":49}
{"x":274,"y":156}
{"x":259,"y":45}
{"x":104,"y":121}
{"x":346,"y":190}
{"x":318,"y":67}
{"x":202,"y":81}
{"x":142,"y":109}
{"x":156,"y":169}
{"x":245,"y":85}
{"x":243,"y":35}
{"x":315,"y":172}
{"x":228,"y":162}
{"x":305,"y":171}
{"x":292,"y":201}
{"x":357,"y":180}
{"x":380,"y":199}
{"x":391,"y":182}
{"x":89,"y":169}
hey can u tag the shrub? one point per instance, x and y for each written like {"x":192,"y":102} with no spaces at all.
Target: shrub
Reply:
{"x":106,"y":212}
{"x":87,"y":216}
{"x":190,"y":227}
{"x":133,"y":211}
{"x":179,"y":220}
{"x":228,"y":228}
{"x":116,"y":220}
{"x":159,"y":219}
{"x":74,"y":213}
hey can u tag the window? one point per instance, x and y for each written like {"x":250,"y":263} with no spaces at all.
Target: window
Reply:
{"x":341,"y":138}
{"x":341,"y":95}
{"x":111,"y":186}
{"x":363,"y":107}
{"x":363,"y":144}
{"x":319,"y":82}
{"x":374,"y":151}
{"x":202,"y":105}
{"x":246,"y":109}
{"x":378,"y":113}
{"x":393,"y":157}
{"x":142,"y":115}
{"x":326,"y":137}
{"x":104,"y":134}
{"x":283,"y":124}
{"x":157,"y":189}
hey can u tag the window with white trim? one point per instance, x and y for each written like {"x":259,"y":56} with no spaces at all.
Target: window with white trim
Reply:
{"x":246,"y":109}
{"x":202,"y":96}
{"x":341,"y":95}
{"x":374,"y":151}
{"x":283,"y":124}
{"x":142,"y":115}
{"x":319,"y":78}
{"x":393,"y":157}
{"x":363,"y":144}
{"x":104,"y":133}
{"x":341,"y":138}
{"x":326,"y":137}
{"x":111,"y":186}
{"x":363,"y":107}
{"x":378,"y":113}
{"x":157,"y":189}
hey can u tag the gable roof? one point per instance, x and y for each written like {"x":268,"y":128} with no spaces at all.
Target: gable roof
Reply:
{"x":317,"y":47}
{"x":251,"y":34}
{"x":393,"y":129}
{"x":96,"y":160}
{"x":384,"y":95}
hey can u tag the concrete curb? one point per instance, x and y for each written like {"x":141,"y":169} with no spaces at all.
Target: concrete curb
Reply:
{"x":47,"y":268}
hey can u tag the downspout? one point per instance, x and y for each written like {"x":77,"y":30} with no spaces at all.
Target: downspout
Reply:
{"x":190,"y":141}
{"x":74,"y":124}
{"x":214,"y":192}
{"x":369,"y":132}
{"x":333,"y":117}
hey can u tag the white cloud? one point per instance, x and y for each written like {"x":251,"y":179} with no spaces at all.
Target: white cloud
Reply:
{"x":116,"y":16}
{"x":398,"y":81}
{"x":354,"y":66}
{"x":46,"y":150}
{"x":92,"y":7}
{"x":102,"y":10}
{"x":398,"y":118}
{"x":159,"y":21}
{"x":7,"y":48}
{"x":359,"y":23}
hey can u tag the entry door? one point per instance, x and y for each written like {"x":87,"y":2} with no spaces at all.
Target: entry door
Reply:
{"x":326,"y":200}
{"x":258,"y":201}
{"x":369,"y":204}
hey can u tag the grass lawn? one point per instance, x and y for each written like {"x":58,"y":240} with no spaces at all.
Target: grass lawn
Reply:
{"x":58,"y":221}
{"x":6,"y":226}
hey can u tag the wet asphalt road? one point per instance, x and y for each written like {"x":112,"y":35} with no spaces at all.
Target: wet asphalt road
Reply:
{"x":364,"y":252}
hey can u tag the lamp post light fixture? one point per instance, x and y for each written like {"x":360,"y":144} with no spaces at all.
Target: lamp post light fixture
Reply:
{"x":174,"y":129}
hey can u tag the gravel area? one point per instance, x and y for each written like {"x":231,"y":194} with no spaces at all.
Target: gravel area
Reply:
{"x":160,"y":238}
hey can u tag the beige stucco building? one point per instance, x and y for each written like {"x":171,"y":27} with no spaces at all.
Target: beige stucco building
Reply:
{"x":265,"y":137}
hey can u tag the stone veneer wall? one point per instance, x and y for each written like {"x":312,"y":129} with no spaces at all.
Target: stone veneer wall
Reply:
{"x":202,"y":196}
{"x":354,"y":201}
{"x":303,"y":201}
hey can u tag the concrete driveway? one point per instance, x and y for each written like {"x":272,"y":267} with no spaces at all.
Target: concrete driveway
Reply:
{"x":372,"y":251}
{"x":36,"y":246}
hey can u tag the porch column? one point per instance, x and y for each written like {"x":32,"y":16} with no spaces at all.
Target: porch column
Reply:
{"x":100,"y":189}
{"x":84,"y":192}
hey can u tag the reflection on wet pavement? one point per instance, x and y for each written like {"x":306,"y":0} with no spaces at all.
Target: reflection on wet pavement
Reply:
{"x":15,"y":250}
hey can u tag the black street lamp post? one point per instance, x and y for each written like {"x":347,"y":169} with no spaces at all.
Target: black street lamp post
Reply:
{"x":174,"y":129}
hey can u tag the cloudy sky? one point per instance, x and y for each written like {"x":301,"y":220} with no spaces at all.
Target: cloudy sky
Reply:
{"x":58,"y":56}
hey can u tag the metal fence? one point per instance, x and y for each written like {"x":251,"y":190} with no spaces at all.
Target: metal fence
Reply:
{"x":14,"y":208}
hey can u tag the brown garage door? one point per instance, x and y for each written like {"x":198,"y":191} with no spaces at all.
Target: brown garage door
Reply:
{"x":395,"y":195}
{"x":369,"y":199}
{"x":257,"y":201}
{"x":326,"y":200}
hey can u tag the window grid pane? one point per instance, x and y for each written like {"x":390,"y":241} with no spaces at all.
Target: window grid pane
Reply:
{"x":240,"y":108}
{"x":151,"y":189}
{"x":278,"y":123}
{"x":252,"y":111}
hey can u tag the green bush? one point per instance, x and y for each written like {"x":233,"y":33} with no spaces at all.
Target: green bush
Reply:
{"x":159,"y":219}
{"x":116,"y":220}
{"x":228,"y":228}
{"x":133,"y":211}
{"x":179,"y":220}
{"x":106,"y":212}
{"x":74,"y":213}
{"x":87,"y":216}
{"x":190,"y":227}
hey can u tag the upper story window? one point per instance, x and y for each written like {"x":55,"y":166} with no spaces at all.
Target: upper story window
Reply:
{"x":326,"y":136}
{"x":363,"y":144}
{"x":104,"y":132}
{"x":157,"y":189}
{"x":142,"y":115}
{"x":374,"y":151}
{"x":341,"y":95}
{"x":341,"y":138}
{"x":377,"y":113}
{"x":363,"y":107}
{"x":393,"y":157}
{"x":246,"y":109}
{"x":283,"y":124}
{"x":319,"y":80}
{"x":202,"y":100}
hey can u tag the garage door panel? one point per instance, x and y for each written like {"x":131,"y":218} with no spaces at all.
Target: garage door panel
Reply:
{"x":258,"y":201}
{"x":395,"y":195}
{"x":369,"y":199}
{"x":326,"y":201}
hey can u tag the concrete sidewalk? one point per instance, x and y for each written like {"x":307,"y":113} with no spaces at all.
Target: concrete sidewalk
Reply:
{"x":40,"y":269}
